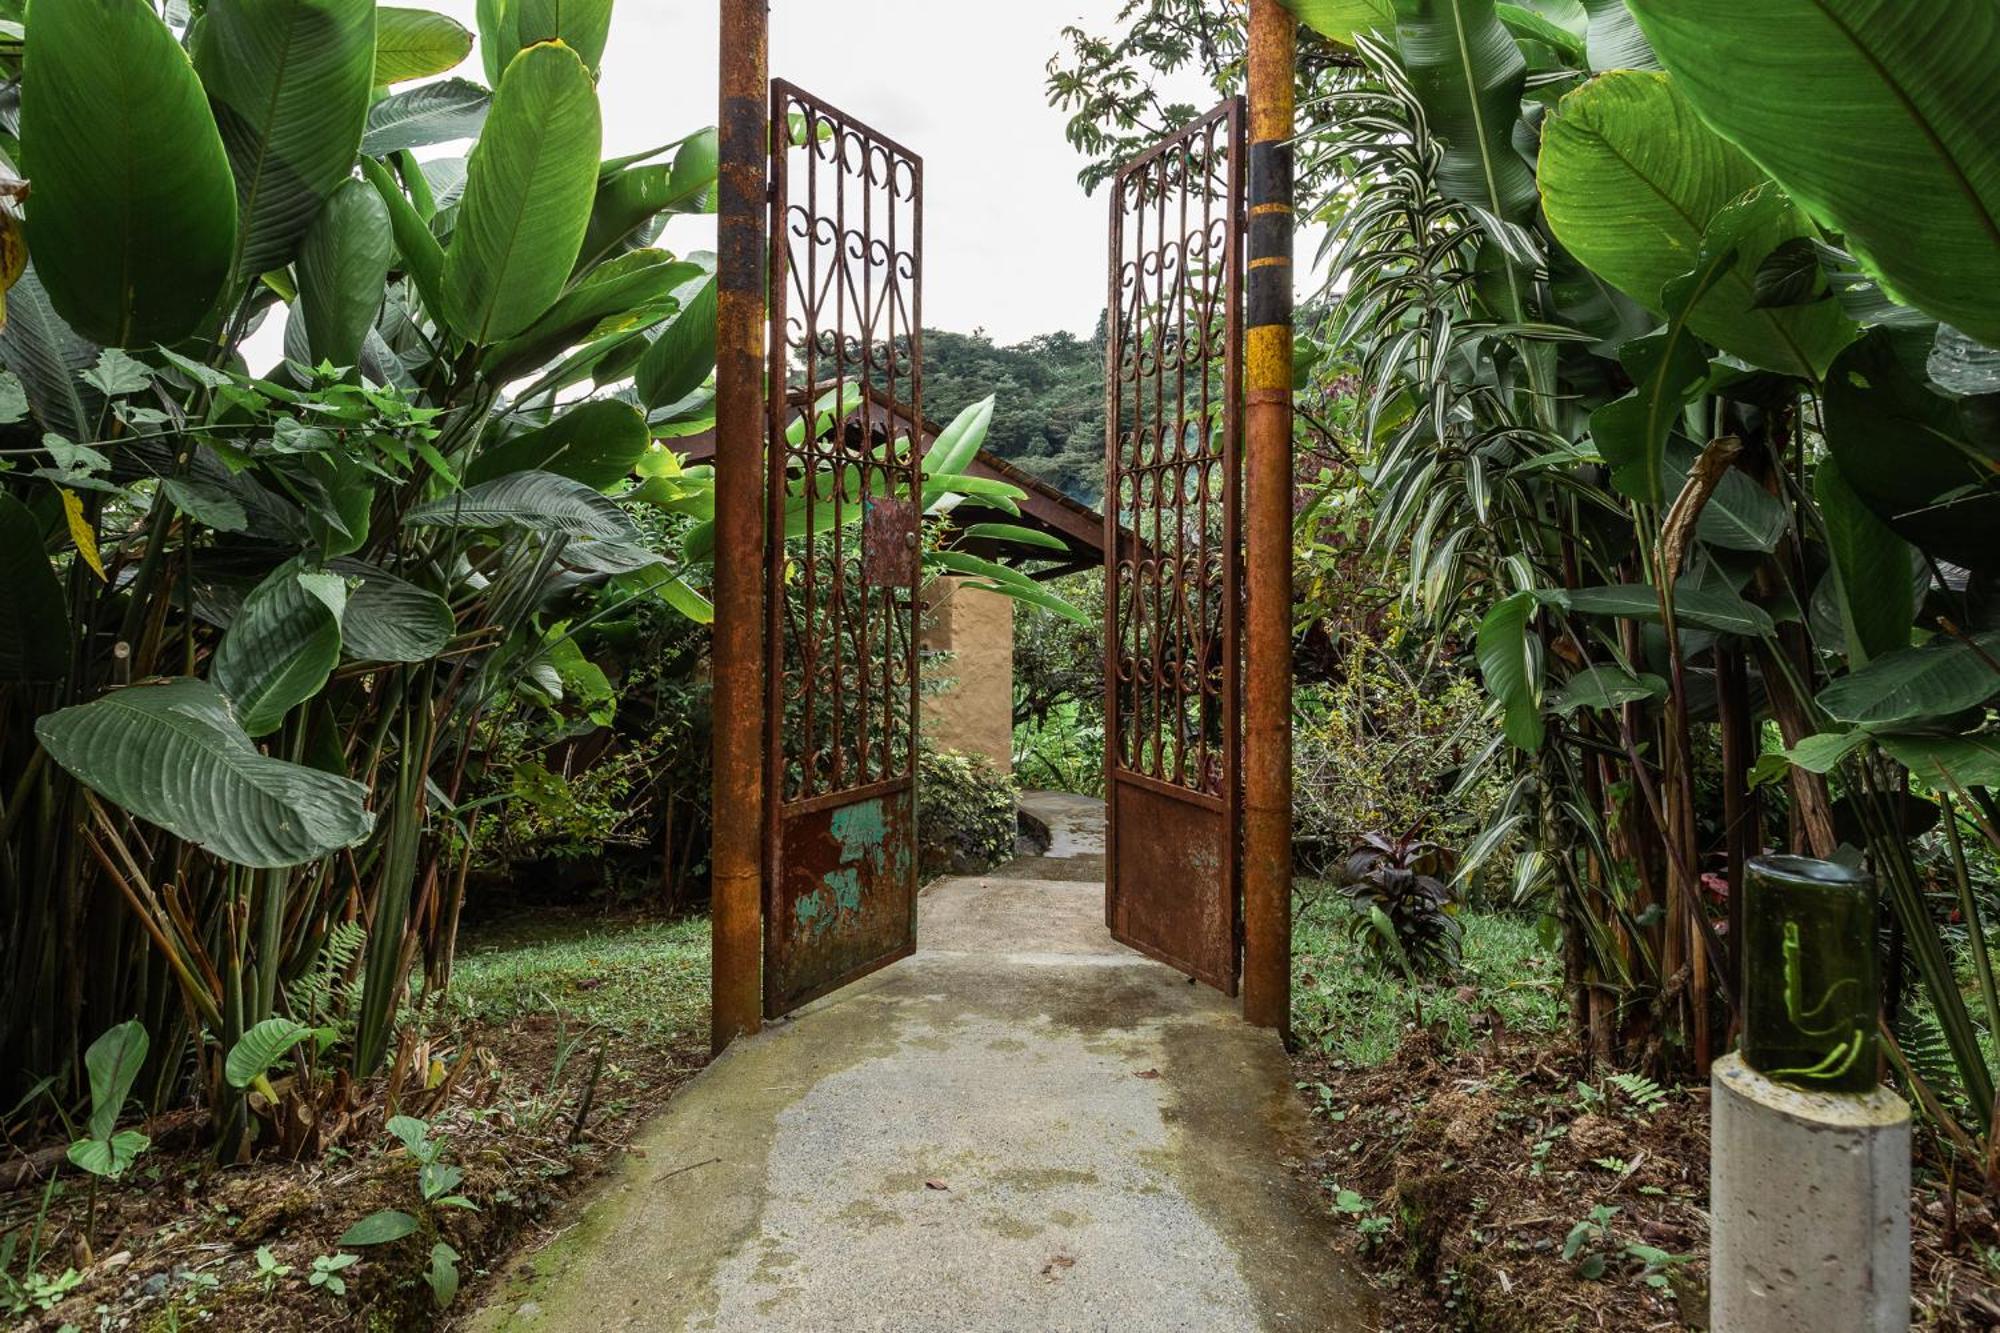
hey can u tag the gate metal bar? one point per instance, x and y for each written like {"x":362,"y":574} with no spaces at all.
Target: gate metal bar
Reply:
{"x":842,"y":570}
{"x":1173,"y":543}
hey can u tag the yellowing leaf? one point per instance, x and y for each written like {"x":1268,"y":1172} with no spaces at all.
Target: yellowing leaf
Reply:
{"x":81,"y":532}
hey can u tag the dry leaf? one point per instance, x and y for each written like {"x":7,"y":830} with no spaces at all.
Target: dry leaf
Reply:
{"x":937,"y":1185}
{"x":1147,"y":1073}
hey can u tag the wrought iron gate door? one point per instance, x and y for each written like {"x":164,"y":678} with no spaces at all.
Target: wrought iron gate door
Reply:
{"x":1173,"y":542}
{"x":840,"y":889}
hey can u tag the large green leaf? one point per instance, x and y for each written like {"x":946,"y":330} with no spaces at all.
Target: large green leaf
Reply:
{"x":430,"y":113}
{"x":631,"y":196}
{"x":1703,"y":607}
{"x":342,"y":267}
{"x":390,"y":620}
{"x":281,"y":647}
{"x":133,"y":220}
{"x":528,"y":191}
{"x":423,"y":257}
{"x":596,"y":443}
{"x":417,"y":44}
{"x":534,"y":501}
{"x":499,"y":25}
{"x":1948,"y":762}
{"x":1937,"y":680}
{"x":49,"y":358}
{"x":1469,"y":74}
{"x":1512,"y":668}
{"x":1615,"y":40}
{"x":1912,"y":455}
{"x":959,"y":443}
{"x":174,"y":754}
{"x":632,"y":288}
{"x":683,"y":356}
{"x":1877,"y":117}
{"x":114,"y":1061}
{"x":1877,"y":600}
{"x":582,"y":25}
{"x":1631,"y":183}
{"x":1634,"y":432}
{"x":257,"y":1050}
{"x":34,"y":619}
{"x":1605,"y":687}
{"x":1344,"y":20}
{"x":289,"y":81}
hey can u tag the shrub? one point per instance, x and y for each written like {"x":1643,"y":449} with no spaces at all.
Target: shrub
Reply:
{"x":1403,"y":912}
{"x":965,"y":814}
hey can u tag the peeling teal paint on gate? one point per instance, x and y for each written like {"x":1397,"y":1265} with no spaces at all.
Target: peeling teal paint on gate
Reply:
{"x":862,"y":832}
{"x":860,"y":829}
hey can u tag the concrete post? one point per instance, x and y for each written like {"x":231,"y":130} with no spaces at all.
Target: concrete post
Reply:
{"x":1809,"y":1193}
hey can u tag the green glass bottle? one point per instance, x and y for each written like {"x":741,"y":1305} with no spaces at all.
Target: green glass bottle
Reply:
{"x":1812,"y":992}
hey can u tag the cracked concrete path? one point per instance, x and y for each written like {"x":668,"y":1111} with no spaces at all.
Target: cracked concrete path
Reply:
{"x":1024,"y":1126}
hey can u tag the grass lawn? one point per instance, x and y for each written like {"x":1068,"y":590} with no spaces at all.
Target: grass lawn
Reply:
{"x":646,"y":980}
{"x":1350,"y":1009}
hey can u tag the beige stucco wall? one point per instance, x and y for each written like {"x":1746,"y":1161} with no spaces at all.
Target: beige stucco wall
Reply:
{"x":976,"y":714}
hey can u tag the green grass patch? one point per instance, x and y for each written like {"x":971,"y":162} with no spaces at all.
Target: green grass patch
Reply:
{"x":1348,"y":1007}
{"x":647,"y":979}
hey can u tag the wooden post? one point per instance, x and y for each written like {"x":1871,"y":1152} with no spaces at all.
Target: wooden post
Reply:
{"x":1267,"y":856}
{"x":736,"y":911}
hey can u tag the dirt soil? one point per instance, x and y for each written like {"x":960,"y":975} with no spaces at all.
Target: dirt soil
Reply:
{"x":177,"y":1244}
{"x":1475,"y":1183}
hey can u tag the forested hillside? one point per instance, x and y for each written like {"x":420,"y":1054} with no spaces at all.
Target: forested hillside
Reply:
{"x":1049,"y":417}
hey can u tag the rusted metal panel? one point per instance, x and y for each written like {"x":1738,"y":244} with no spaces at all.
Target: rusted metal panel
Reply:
{"x":889,"y":540}
{"x":1173,"y":541}
{"x":842,"y":570}
{"x":1173,"y":850}
{"x":845,"y":901}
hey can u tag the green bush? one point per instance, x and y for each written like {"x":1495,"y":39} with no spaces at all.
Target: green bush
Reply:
{"x":965,"y":814}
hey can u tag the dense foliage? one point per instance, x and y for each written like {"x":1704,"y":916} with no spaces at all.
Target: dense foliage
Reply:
{"x":293,"y":646}
{"x":1663,"y":402}
{"x":1050,"y":418}
{"x":965,"y":814}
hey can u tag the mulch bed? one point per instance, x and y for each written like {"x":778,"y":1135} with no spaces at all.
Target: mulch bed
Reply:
{"x":176,"y":1244}
{"x":1464,"y":1175}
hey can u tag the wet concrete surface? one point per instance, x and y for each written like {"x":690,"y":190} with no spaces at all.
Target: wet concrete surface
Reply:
{"x":1024,"y":1126}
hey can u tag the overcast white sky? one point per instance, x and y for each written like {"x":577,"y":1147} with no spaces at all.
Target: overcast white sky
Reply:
{"x":1012,"y":243}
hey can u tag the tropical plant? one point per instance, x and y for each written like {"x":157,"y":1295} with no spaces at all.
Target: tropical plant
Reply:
{"x":1403,"y":913}
{"x":1657,"y":390}
{"x":255,"y":620}
{"x":438,"y":1183}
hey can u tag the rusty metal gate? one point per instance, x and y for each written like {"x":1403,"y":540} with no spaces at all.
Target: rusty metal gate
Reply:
{"x":1173,"y":551}
{"x":840,"y":889}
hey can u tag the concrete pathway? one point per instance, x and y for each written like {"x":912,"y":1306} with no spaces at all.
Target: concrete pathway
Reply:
{"x":1025,"y":1126}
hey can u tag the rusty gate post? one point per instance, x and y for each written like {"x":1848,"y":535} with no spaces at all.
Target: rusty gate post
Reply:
{"x":736,"y":911}
{"x":1267,"y":860}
